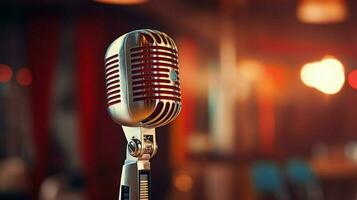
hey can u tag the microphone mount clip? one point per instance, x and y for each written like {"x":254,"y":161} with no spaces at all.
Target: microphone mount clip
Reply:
{"x":141,"y":147}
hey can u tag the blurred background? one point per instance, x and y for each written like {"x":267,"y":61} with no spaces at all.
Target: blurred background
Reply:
{"x":269,"y":91}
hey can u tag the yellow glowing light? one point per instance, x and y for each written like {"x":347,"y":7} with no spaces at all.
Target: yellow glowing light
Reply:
{"x":124,"y":2}
{"x":322,"y":11}
{"x":327,"y":76}
{"x":308,"y":73}
{"x":331,"y":77}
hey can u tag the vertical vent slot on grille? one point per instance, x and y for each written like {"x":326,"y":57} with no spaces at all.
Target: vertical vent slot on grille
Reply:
{"x":112,"y":80}
{"x":150,"y":69}
{"x":171,"y":113}
{"x":155,"y":113}
{"x":162,"y":115}
{"x":176,"y":112}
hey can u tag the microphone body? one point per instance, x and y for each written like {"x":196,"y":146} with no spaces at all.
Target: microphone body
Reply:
{"x":143,"y":92}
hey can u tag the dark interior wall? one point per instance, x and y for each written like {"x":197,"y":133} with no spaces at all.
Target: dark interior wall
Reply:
{"x":78,"y":36}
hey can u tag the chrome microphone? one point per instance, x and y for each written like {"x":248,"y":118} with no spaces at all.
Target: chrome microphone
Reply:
{"x":143,"y":92}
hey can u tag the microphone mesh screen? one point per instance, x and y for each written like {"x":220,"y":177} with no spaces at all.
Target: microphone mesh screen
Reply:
{"x":112,"y":80}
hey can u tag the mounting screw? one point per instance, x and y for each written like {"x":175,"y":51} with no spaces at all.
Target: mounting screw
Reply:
{"x":134,"y":147}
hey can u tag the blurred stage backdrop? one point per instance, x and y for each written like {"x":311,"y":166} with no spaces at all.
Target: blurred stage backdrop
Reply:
{"x":269,"y":91}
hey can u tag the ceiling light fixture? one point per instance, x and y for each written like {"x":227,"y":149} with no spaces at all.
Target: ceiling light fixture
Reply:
{"x":322,"y":11}
{"x":121,"y":2}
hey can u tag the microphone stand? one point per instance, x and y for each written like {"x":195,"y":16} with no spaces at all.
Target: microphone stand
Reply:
{"x":135,"y":177}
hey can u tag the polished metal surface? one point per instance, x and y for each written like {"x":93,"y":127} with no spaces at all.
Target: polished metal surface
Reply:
{"x":142,"y":79}
{"x":143,"y":92}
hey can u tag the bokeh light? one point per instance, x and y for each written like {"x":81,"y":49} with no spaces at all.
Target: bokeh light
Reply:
{"x":24,"y":77}
{"x":352,"y":79}
{"x":121,"y":2}
{"x":5,"y":73}
{"x":308,"y":73}
{"x":183,"y":182}
{"x":331,"y":76}
{"x":326,"y":76}
{"x":249,"y":72}
{"x":322,"y":11}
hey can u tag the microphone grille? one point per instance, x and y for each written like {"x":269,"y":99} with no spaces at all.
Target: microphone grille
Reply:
{"x":151,"y":70}
{"x":112,"y":80}
{"x":155,"y":76}
{"x":163,"y":114}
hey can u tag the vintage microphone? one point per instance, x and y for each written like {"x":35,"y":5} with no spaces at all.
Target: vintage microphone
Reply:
{"x":143,"y":92}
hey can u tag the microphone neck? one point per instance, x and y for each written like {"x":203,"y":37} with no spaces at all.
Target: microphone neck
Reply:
{"x":141,"y":143}
{"x":135,"y":181}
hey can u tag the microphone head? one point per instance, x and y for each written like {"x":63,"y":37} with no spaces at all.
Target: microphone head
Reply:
{"x":142,"y":79}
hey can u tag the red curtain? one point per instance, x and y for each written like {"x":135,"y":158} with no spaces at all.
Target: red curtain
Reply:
{"x":42,"y":50}
{"x":101,"y":140}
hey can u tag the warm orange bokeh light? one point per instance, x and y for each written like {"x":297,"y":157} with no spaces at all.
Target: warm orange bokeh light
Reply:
{"x":183,"y":182}
{"x":322,"y":11}
{"x":123,"y":2}
{"x":352,"y":79}
{"x":5,"y":73}
{"x":24,"y":77}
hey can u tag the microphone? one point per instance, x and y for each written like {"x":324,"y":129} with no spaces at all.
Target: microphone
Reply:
{"x":143,"y":92}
